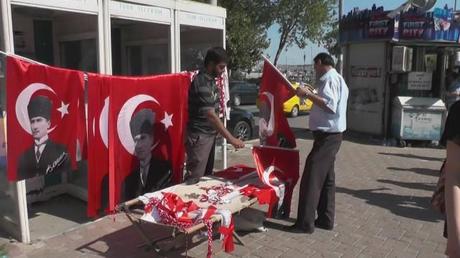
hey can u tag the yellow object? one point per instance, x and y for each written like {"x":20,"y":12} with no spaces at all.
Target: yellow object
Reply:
{"x":302,"y":105}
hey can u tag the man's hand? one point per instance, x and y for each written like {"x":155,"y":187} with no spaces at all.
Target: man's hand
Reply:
{"x":237,"y":143}
{"x":303,"y":92}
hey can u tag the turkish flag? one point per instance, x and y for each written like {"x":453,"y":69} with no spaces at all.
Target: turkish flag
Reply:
{"x":234,"y":172}
{"x":278,"y":168}
{"x":98,"y":143}
{"x":274,"y":90}
{"x":139,"y":108}
{"x":43,"y":106}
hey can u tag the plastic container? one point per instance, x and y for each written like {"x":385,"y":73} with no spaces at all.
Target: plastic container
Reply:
{"x":416,"y":118}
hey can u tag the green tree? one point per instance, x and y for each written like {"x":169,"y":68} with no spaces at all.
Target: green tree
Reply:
{"x":302,"y":20}
{"x":330,"y":40}
{"x":246,"y":27}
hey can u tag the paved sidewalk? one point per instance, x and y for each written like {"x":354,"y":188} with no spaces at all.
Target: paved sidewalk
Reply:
{"x":383,"y":210}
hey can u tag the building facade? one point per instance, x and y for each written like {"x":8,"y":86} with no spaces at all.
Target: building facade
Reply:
{"x":136,"y":37}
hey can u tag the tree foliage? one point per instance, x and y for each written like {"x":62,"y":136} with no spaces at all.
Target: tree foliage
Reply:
{"x":301,"y":21}
{"x":246,"y":31}
{"x":330,"y":42}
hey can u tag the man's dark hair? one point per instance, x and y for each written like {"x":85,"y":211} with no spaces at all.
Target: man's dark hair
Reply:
{"x":215,"y":55}
{"x":325,"y":59}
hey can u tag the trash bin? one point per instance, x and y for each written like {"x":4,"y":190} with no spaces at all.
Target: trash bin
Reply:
{"x":416,"y":118}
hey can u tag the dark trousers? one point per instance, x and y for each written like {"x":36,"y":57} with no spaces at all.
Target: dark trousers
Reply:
{"x":200,"y":150}
{"x":317,"y":186}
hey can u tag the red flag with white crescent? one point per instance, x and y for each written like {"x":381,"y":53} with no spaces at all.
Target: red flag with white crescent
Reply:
{"x":98,"y":143}
{"x":44,"y":114}
{"x":147,"y":125}
{"x":278,"y":166}
{"x":274,"y":90}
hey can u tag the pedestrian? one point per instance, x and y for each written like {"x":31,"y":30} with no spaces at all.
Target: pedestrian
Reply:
{"x":204,"y":122}
{"x":451,"y":138}
{"x":327,"y":123}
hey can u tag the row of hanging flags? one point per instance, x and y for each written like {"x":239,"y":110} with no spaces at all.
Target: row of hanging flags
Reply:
{"x":49,"y":121}
{"x":52,"y":115}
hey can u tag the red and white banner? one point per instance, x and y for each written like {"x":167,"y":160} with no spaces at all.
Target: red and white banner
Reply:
{"x":278,"y":168}
{"x":44,"y":119}
{"x":139,"y":109}
{"x":274,"y":90}
{"x":98,"y":143}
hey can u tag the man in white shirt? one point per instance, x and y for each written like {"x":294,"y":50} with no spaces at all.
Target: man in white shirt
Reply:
{"x":327,"y":123}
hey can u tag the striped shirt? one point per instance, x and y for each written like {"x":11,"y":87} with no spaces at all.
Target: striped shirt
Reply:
{"x":203,"y":95}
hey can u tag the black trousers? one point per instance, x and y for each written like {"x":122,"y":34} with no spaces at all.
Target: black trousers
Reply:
{"x":200,"y":150}
{"x":317,"y":186}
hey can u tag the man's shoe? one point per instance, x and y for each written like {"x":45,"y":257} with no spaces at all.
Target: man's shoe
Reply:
{"x":323,"y":226}
{"x":296,"y":229}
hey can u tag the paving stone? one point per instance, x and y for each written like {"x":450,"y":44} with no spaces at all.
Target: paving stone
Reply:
{"x":349,"y":251}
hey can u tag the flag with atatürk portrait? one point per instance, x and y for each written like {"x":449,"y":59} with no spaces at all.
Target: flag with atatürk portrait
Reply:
{"x":274,"y":90}
{"x":147,"y":124}
{"x":44,"y":113}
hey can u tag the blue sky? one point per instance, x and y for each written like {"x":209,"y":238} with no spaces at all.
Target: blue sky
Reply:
{"x":294,"y":55}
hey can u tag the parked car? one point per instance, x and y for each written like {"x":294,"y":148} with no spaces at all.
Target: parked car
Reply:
{"x":295,"y":105}
{"x":241,"y":123}
{"x":242,"y":92}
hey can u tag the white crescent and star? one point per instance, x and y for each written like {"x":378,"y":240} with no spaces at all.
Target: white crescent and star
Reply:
{"x":167,"y":121}
{"x":104,"y":122}
{"x":267,"y":172}
{"x":279,"y":189}
{"x":64,"y":109}
{"x":123,"y":128}
{"x":127,"y":111}
{"x":23,"y":100}
{"x":270,"y":124}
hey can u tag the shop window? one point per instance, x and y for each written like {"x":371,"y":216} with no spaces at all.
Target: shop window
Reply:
{"x":140,"y":48}
{"x":194,"y":42}
{"x":57,"y":38}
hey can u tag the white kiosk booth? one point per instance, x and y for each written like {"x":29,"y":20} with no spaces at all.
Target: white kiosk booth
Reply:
{"x":135,"y":37}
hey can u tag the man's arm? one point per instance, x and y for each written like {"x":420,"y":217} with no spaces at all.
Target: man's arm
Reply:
{"x":453,"y":94}
{"x":452,"y":195}
{"x":317,"y":100}
{"x":217,"y":123}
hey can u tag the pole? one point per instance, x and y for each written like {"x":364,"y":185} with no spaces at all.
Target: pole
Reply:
{"x":311,"y":54}
{"x":286,"y":60}
{"x":304,"y":67}
{"x":455,"y":5}
{"x":340,"y":61}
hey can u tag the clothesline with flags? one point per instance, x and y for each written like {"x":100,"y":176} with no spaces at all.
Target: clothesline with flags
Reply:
{"x":47,"y":117}
{"x":21,"y":57}
{"x":106,"y":130}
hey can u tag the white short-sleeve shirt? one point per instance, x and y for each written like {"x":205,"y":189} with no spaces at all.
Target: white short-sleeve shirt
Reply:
{"x":333,"y":89}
